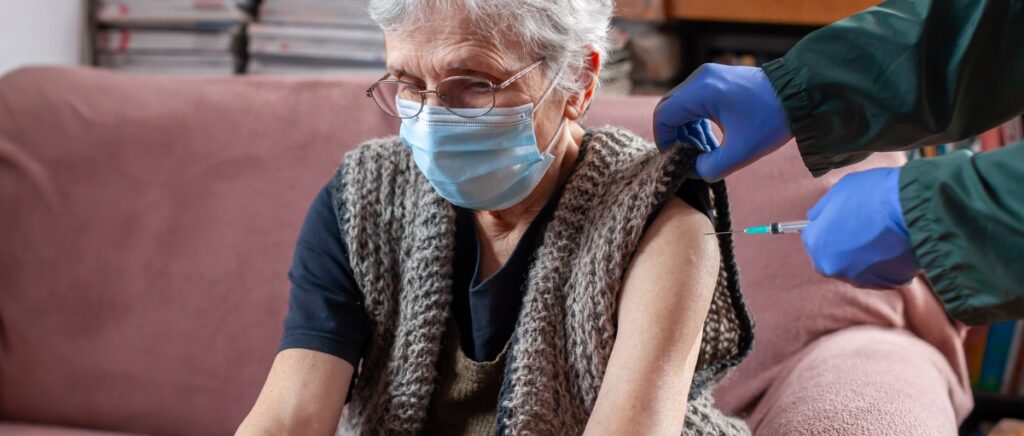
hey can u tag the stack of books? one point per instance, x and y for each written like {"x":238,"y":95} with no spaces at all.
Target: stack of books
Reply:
{"x":315,"y":37}
{"x":655,"y":56}
{"x":616,"y":77}
{"x":995,"y":358}
{"x":186,"y":37}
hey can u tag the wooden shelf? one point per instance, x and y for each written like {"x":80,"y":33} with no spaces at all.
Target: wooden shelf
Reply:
{"x":992,"y":407}
{"x":1010,"y":406}
{"x":787,"y":12}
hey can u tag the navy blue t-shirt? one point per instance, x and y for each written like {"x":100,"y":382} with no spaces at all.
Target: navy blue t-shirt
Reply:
{"x":325,"y":308}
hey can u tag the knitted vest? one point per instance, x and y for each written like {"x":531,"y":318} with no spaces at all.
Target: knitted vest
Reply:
{"x":401,"y":238}
{"x":466,"y":391}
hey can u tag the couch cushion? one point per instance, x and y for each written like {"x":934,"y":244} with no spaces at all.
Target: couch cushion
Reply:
{"x":793,"y":305}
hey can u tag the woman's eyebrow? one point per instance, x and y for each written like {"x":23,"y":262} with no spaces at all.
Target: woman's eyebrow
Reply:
{"x":486,"y":68}
{"x":491,"y":69}
{"x":396,"y":71}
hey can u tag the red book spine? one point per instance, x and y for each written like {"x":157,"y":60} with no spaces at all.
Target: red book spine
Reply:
{"x":974,"y":349}
{"x":991,"y":139}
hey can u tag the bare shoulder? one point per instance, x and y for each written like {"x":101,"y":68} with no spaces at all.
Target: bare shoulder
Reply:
{"x":679,"y":235}
{"x":675,"y":267}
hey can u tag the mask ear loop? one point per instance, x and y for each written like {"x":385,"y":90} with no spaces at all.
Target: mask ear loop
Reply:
{"x":551,"y":87}
{"x":561,"y":123}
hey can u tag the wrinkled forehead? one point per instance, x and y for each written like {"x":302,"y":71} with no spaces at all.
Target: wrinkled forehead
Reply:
{"x":434,"y":43}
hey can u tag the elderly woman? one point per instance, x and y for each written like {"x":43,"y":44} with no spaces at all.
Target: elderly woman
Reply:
{"x":497,"y":268}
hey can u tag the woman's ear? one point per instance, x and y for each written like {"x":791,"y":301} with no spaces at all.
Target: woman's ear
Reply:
{"x":578,"y":103}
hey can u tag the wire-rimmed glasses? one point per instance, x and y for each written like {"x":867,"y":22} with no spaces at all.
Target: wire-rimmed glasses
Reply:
{"x":465,"y":96}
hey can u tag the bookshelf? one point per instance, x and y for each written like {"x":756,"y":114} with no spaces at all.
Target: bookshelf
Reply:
{"x":783,"y":12}
{"x":814,"y":13}
{"x":739,"y":32}
{"x":994,"y":356}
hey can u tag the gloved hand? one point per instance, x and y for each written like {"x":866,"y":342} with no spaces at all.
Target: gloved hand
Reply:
{"x":741,"y":100}
{"x":857,"y":232}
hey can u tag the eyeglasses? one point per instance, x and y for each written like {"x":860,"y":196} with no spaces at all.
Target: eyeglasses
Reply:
{"x":465,"y":96}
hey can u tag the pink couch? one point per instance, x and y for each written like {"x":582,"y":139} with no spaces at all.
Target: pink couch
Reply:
{"x":146,"y":226}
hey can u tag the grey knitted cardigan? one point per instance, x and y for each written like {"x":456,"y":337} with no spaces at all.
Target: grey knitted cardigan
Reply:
{"x":400,"y":236}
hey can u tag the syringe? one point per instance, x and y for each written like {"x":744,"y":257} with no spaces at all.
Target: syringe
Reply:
{"x":771,"y":229}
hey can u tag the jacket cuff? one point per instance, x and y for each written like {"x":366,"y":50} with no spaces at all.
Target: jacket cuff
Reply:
{"x":791,"y":89}
{"x":930,"y":239}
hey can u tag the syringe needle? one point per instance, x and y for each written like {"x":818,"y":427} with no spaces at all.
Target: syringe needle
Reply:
{"x":776,"y":228}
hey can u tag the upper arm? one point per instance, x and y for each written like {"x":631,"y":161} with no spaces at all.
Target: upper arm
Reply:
{"x":325,"y":311}
{"x":303,"y":395}
{"x":324,"y":333}
{"x":664,"y":300}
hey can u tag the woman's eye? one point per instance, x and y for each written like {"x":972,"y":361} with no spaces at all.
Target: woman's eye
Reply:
{"x":411,"y":80}
{"x":480,"y":86}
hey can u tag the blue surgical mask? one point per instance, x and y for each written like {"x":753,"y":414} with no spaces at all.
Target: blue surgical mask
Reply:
{"x":490,"y":162}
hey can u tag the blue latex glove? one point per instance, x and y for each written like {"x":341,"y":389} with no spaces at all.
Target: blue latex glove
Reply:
{"x":741,"y":100}
{"x":857,"y":232}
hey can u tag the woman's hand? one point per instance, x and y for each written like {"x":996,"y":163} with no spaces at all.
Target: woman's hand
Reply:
{"x":665,"y":297}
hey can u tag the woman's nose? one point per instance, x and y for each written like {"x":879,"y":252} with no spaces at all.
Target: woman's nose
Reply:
{"x":432,"y":99}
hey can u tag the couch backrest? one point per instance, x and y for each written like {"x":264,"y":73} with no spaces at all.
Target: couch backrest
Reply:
{"x":147,"y":225}
{"x":147,"y":229}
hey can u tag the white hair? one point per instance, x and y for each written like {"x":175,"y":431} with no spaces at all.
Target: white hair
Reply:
{"x":563,"y":32}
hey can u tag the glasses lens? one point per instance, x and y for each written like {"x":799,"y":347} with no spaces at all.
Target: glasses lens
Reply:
{"x":398,"y":99}
{"x":466,"y":96}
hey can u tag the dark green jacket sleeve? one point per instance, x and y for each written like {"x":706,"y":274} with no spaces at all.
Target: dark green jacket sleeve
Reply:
{"x":966,"y":218}
{"x":900,"y":75}
{"x":915,"y":72}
